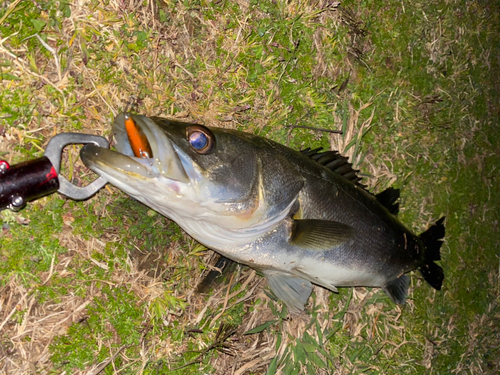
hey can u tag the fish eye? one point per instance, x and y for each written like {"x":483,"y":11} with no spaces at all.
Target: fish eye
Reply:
{"x":200,"y":139}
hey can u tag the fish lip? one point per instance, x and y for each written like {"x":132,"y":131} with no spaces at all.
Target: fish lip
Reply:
{"x":103,"y":160}
{"x":165,"y":161}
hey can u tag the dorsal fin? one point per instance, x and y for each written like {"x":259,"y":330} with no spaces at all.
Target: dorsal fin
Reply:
{"x":336,"y":163}
{"x":340,"y":165}
{"x":388,"y":199}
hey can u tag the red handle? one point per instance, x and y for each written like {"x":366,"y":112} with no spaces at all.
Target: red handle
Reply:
{"x":26,"y":181}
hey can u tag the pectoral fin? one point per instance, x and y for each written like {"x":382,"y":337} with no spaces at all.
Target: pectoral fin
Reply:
{"x":320,"y":235}
{"x":292,"y":290}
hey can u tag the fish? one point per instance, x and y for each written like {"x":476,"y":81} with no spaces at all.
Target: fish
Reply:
{"x":300,"y":218}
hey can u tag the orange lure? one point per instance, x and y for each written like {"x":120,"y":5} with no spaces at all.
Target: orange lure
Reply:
{"x":137,"y":139}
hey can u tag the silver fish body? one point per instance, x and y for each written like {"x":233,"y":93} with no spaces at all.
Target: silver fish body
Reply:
{"x":270,"y":207}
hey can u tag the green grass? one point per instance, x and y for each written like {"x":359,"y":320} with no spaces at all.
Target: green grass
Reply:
{"x":414,"y":86}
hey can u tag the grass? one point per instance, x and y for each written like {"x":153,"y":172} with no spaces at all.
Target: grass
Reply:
{"x":108,"y":285}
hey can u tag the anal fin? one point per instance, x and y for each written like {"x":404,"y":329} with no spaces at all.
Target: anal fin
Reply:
{"x":397,"y":289}
{"x":292,"y":290}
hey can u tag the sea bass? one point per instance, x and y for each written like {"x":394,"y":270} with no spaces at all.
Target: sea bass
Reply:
{"x":297,"y":217}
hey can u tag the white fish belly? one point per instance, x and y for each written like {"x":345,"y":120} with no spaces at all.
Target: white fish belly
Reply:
{"x":330,"y":275}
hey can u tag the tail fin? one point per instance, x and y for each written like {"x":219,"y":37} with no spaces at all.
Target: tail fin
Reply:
{"x":432,"y":239}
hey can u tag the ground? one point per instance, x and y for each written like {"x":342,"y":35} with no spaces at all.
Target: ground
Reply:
{"x":109,"y":286}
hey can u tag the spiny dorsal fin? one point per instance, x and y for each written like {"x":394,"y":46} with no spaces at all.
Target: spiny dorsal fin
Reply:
{"x":334,"y":162}
{"x":340,"y":165}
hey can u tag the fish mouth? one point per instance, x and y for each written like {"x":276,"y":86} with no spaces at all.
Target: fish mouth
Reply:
{"x":120,"y":167}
